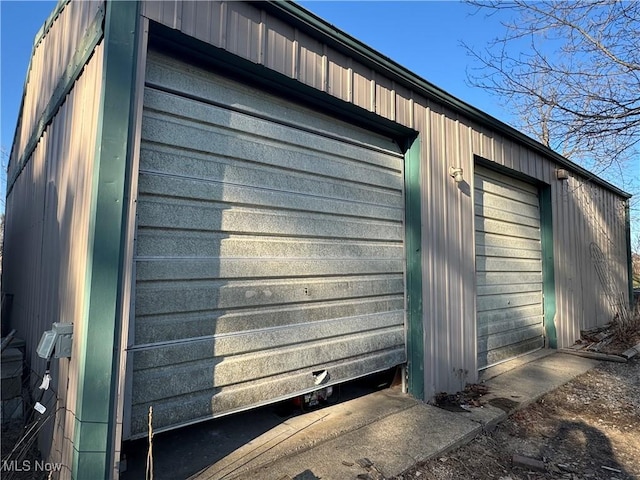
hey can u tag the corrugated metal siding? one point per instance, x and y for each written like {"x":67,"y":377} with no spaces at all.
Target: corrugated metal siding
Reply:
{"x":586,"y":213}
{"x":269,"y":245}
{"x":50,"y":59}
{"x":508,"y":267}
{"x":47,"y":211}
{"x":449,"y":295}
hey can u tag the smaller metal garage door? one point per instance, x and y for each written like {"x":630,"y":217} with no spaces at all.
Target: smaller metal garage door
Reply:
{"x":508,"y":268}
{"x":269,"y":249}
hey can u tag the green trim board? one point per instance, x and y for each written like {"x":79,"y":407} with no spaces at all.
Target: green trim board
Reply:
{"x":627,"y":225}
{"x":548,"y":268}
{"x":99,"y":343}
{"x":73,"y":71}
{"x":413,"y":252}
{"x":327,"y":33}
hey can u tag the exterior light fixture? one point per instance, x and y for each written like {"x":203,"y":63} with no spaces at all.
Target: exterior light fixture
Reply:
{"x":562,"y":174}
{"x":456,"y":174}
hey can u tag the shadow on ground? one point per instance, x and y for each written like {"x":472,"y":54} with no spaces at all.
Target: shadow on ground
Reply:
{"x":185,"y":452}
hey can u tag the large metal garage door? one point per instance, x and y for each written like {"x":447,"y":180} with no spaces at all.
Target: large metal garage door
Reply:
{"x":269,"y":249}
{"x":508,"y":267}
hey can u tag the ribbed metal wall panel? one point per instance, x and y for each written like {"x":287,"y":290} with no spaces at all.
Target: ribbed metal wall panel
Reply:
{"x":311,"y":62}
{"x":201,"y":21}
{"x":447,"y":273}
{"x":384,"y":97}
{"x":339,"y":79}
{"x":280,"y":51}
{"x":50,"y":58}
{"x":47,"y":211}
{"x":404,"y":106}
{"x":362,"y":86}
{"x":447,"y":140}
{"x":245,"y":34}
{"x":269,"y":245}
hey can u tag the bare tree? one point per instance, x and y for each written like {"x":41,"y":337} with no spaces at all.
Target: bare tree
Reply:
{"x":572,"y":72}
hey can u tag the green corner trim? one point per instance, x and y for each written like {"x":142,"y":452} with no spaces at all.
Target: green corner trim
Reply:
{"x":99,"y":341}
{"x":627,"y":226}
{"x":413,"y":249}
{"x":73,"y":71}
{"x":548,"y":275}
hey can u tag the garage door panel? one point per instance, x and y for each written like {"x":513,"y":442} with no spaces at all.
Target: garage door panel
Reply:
{"x":516,"y":313}
{"x":268,"y":151}
{"x":180,"y":243}
{"x":182,"y":326}
{"x":236,"y":396}
{"x":508,"y":253}
{"x":507,"y":216}
{"x":269,"y":246}
{"x":488,"y":200}
{"x":170,"y":74}
{"x":230,"y":194}
{"x":500,"y":264}
{"x":159,"y":383}
{"x":510,"y":190}
{"x":509,"y":300}
{"x":249,"y":139}
{"x":156,"y":159}
{"x":508,"y":338}
{"x":498,"y":227}
{"x":491,"y":278}
{"x":222,"y":345}
{"x":500,"y":289}
{"x":498,"y":355}
{"x":494,"y":240}
{"x":194,"y":215}
{"x":191,"y":296}
{"x":176,"y":109}
{"x":492,"y":327}
{"x":194,"y":407}
{"x":510,"y":187}
{"x":211,"y":268}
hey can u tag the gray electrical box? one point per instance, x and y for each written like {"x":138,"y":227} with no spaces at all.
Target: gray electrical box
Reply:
{"x":56,"y":342}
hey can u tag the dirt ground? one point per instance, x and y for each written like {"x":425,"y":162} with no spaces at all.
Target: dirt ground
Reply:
{"x":586,"y":429}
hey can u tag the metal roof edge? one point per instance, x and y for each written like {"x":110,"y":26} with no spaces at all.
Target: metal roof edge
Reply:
{"x":46,"y":26}
{"x":318,"y":27}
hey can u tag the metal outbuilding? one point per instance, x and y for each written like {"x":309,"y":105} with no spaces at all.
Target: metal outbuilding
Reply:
{"x":235,"y":203}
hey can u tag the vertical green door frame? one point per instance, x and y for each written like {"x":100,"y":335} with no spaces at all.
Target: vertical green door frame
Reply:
{"x":98,"y":345}
{"x":548,"y":276}
{"x":413,"y":249}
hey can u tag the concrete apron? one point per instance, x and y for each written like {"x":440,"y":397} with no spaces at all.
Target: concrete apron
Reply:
{"x":388,"y":432}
